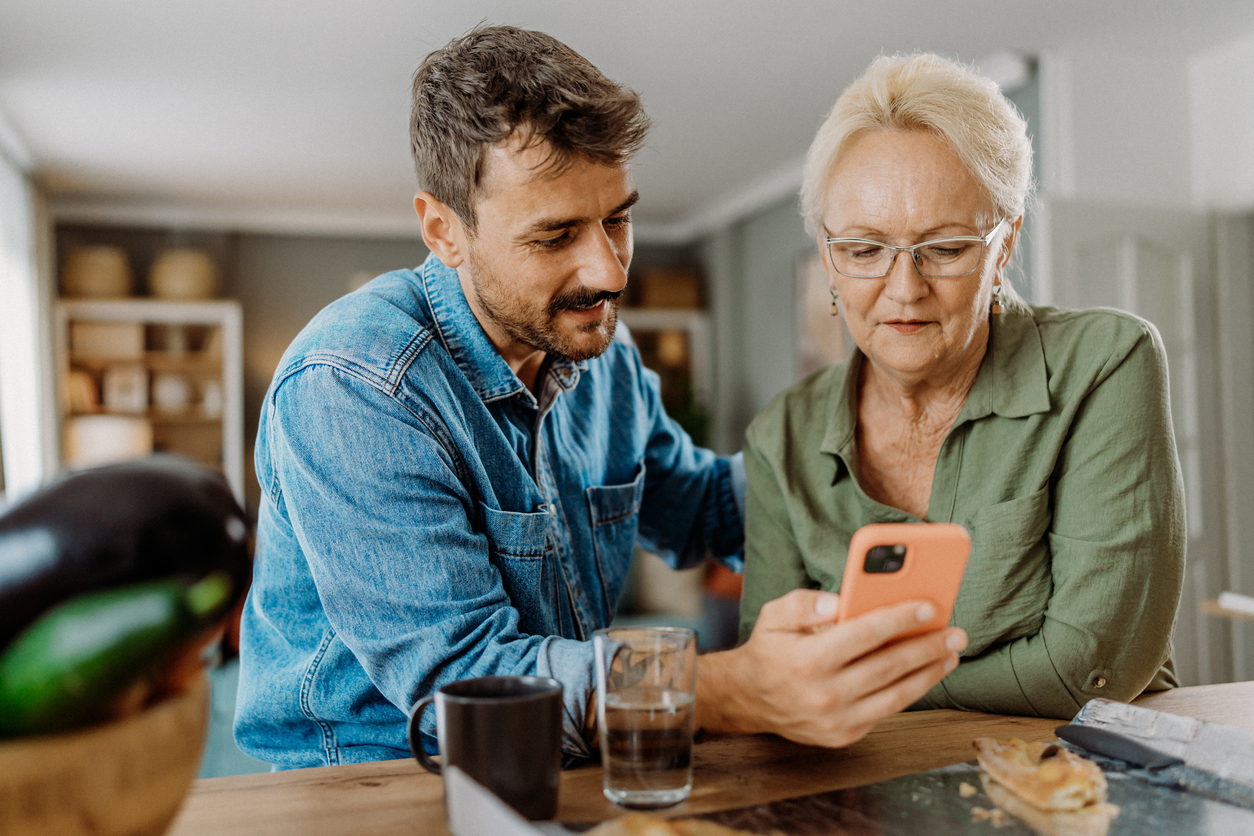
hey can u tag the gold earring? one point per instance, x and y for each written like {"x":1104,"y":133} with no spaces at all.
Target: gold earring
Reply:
{"x":996,"y":308}
{"x":835,"y":309}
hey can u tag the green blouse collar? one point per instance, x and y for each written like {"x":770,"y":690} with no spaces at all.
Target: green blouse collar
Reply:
{"x":1012,"y":382}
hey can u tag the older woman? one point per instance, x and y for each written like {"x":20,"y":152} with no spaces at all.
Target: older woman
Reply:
{"x":1047,"y":433}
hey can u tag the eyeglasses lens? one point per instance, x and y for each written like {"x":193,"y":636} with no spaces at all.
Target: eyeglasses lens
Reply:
{"x":941,"y":259}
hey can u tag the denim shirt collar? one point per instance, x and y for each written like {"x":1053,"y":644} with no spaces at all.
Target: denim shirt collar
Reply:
{"x":1012,"y":382}
{"x":468,"y":344}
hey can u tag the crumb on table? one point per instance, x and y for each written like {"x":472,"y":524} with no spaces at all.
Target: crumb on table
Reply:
{"x":996,"y":816}
{"x":966,"y":790}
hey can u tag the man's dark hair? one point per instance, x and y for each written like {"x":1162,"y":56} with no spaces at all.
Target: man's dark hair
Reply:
{"x":480,"y":88}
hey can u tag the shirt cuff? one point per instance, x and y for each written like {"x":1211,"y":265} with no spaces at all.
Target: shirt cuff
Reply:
{"x":1018,"y":678}
{"x":570,"y":663}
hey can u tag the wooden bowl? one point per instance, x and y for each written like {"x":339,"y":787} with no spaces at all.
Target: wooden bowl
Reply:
{"x":125,"y":777}
{"x":97,"y":272}
{"x":186,"y":274}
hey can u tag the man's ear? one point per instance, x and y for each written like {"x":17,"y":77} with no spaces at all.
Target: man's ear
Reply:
{"x":442,"y":230}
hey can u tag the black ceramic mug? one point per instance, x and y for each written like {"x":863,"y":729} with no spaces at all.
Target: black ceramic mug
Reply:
{"x":503,"y":731}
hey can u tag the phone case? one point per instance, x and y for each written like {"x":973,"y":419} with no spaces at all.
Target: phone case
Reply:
{"x":931,"y":570}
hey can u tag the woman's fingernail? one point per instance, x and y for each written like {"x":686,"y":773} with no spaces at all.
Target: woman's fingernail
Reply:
{"x":956,"y":642}
{"x":925,"y":612}
{"x":825,"y":606}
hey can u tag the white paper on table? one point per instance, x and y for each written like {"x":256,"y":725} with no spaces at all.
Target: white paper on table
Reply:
{"x":474,"y":810}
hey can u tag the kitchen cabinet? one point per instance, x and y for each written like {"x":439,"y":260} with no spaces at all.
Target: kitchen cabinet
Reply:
{"x":675,"y":344}
{"x":141,"y":374}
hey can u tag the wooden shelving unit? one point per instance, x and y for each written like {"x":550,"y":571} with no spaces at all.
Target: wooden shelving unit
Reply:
{"x":209,"y":426}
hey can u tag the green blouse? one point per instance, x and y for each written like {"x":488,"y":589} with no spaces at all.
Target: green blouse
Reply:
{"x":1063,"y":467}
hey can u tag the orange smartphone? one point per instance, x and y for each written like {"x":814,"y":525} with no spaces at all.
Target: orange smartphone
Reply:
{"x":893,"y":562}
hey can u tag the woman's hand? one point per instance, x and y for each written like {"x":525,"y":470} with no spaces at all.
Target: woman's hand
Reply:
{"x":805,"y":678}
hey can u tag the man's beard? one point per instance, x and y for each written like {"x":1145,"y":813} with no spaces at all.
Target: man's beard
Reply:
{"x":536,"y":327}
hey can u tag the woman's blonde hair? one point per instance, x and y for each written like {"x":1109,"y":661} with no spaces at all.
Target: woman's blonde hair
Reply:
{"x":924,"y":92}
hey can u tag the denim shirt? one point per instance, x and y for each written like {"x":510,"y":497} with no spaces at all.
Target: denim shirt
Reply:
{"x":425,"y":518}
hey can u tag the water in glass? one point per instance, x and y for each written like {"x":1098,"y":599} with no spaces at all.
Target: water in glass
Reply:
{"x":647,"y":750}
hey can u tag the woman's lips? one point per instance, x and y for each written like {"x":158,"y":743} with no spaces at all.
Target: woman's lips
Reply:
{"x":902,"y":326}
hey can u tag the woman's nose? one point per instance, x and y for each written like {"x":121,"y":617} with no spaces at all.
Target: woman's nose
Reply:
{"x":904,"y":284}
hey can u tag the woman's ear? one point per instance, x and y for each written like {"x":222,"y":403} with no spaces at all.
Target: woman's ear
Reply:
{"x":442,"y":230}
{"x":1008,"y":243}
{"x":821,"y":239}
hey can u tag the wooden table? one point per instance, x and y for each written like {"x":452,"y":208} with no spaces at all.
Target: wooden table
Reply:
{"x":399,"y":797}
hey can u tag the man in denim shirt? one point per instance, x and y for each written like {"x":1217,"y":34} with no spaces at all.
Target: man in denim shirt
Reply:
{"x":458,"y":460}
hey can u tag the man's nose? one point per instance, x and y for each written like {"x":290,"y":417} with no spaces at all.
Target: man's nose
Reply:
{"x":603,"y":265}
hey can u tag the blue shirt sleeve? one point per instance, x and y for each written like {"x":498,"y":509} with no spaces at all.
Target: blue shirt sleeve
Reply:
{"x":691,"y":506}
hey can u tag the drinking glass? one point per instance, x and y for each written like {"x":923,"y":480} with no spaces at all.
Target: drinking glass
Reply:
{"x":646,"y":690}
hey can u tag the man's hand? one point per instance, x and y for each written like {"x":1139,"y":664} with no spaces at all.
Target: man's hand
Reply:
{"x":804,"y":677}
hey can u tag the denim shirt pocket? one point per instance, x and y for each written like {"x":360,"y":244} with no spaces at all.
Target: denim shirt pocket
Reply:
{"x":523,"y":553}
{"x":615,"y":512}
{"x":1008,"y":580}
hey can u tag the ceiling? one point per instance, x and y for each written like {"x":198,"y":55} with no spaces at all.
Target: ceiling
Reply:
{"x":294,"y":115}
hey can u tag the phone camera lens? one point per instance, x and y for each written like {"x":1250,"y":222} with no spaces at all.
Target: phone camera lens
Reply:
{"x":885,"y":559}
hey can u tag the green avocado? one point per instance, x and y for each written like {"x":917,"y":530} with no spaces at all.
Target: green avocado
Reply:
{"x":67,"y":667}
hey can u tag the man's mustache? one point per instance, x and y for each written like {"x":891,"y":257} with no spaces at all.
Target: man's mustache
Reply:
{"x":581,"y":298}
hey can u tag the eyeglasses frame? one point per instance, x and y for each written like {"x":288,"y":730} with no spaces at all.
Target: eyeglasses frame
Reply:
{"x":983,"y":241}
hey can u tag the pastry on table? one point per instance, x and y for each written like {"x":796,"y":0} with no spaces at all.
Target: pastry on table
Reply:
{"x":1089,"y":820}
{"x":1051,"y":789}
{"x":1045,"y":775}
{"x":646,"y":824}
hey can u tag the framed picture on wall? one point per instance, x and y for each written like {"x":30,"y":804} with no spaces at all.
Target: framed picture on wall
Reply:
{"x":822,"y":339}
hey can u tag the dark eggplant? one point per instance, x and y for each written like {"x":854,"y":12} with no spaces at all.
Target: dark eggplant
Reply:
{"x":114,"y":526}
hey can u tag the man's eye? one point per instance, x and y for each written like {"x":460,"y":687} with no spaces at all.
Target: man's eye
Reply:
{"x":619,"y":222}
{"x":552,"y":243}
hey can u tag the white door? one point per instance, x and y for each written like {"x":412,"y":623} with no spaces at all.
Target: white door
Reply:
{"x":1157,"y":264}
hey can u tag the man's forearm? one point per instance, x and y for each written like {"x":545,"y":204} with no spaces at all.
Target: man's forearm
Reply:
{"x":720,"y":708}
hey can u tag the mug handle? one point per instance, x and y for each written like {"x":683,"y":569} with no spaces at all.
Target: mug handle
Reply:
{"x":415,"y":736}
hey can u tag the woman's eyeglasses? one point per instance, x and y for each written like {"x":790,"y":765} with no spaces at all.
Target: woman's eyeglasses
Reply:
{"x":942,"y":258}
